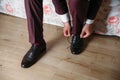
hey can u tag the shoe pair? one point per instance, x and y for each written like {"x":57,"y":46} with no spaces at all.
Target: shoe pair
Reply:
{"x":35,"y":52}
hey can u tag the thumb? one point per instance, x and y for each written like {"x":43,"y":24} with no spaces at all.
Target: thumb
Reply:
{"x":66,"y":33}
{"x":86,"y":35}
{"x":69,"y":33}
{"x":82,"y":34}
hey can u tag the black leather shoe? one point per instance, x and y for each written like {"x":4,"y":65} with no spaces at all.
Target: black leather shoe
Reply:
{"x":76,"y":45}
{"x":33,"y":55}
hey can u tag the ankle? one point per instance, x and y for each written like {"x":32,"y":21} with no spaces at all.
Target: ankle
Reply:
{"x":40,"y":43}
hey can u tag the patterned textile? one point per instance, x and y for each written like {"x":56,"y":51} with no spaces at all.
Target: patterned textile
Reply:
{"x":107,"y":21}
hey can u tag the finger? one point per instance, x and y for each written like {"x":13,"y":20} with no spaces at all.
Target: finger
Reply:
{"x":66,"y":34}
{"x":69,"y":33}
{"x":86,"y":35}
{"x":82,"y":34}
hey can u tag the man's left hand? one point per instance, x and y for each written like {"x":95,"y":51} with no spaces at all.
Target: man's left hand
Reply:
{"x":86,"y":31}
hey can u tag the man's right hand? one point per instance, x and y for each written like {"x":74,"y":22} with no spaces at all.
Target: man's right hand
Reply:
{"x":67,"y":29}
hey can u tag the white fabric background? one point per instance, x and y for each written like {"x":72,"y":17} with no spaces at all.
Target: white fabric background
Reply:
{"x":107,"y":21}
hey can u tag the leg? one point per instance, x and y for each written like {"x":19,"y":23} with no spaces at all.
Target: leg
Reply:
{"x":78,"y":10}
{"x":34,"y":13}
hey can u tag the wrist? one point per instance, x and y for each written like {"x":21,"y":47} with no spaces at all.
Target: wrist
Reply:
{"x":89,"y":21}
{"x":64,"y":17}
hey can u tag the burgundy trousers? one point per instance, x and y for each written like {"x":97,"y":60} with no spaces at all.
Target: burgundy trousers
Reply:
{"x":80,"y":10}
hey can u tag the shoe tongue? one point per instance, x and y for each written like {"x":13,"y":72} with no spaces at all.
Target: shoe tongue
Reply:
{"x":76,"y":37}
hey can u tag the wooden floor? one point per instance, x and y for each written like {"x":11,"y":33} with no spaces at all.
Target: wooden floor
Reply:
{"x":99,"y":61}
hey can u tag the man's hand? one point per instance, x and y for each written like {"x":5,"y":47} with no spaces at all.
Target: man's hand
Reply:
{"x":67,"y":29}
{"x":86,"y":31}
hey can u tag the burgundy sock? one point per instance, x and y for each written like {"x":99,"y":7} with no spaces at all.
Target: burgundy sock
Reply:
{"x":40,"y":42}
